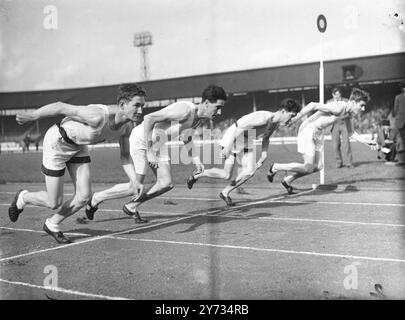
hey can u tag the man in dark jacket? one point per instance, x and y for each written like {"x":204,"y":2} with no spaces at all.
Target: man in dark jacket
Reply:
{"x":399,"y":114}
{"x":340,"y":134}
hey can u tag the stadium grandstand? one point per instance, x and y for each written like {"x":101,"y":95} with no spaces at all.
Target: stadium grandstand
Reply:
{"x":249,"y":90}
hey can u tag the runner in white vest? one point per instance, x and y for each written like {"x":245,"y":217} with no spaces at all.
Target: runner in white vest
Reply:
{"x":147,"y":147}
{"x":65,"y":145}
{"x":310,"y":135}
{"x":238,"y":142}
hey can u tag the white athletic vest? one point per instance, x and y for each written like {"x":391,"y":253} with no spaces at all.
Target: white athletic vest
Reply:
{"x":320,"y":120}
{"x":254,"y":120}
{"x":170,"y":130}
{"x":83,"y":134}
{"x":174,"y":129}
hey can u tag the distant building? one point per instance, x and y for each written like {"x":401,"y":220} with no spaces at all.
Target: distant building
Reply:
{"x":248,"y":90}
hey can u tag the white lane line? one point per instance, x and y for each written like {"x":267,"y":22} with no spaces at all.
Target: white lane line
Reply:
{"x":158,"y":213}
{"x":310,"y":220}
{"x":311,"y":253}
{"x":39,"y":231}
{"x":346,"y":203}
{"x":334,"y":221}
{"x":67,"y":291}
{"x":143,"y":228}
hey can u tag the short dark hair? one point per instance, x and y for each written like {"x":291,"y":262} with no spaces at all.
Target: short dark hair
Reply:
{"x":213,"y":93}
{"x":359,"y":95}
{"x":290,"y":105}
{"x":336,"y":89}
{"x":127,"y":91}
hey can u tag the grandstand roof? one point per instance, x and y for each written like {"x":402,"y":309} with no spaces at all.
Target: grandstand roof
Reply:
{"x":390,"y":67}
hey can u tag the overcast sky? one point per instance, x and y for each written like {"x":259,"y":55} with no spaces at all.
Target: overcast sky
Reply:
{"x":90,"y":42}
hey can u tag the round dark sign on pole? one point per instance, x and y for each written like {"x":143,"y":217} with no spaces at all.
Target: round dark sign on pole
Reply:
{"x":321,"y":23}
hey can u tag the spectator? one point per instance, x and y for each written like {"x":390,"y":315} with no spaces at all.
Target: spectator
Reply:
{"x":399,"y":114}
{"x":386,"y":138}
{"x":340,"y":134}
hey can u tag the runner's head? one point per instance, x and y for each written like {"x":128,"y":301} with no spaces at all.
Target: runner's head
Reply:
{"x":131,"y":100}
{"x":337,"y":93}
{"x":213,"y":100}
{"x":358,"y":99}
{"x":288,"y":110}
{"x":402,"y":85}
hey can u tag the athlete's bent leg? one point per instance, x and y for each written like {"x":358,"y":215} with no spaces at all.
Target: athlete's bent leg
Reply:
{"x":51,"y":198}
{"x":80,"y":174}
{"x":215,"y":173}
{"x":248,"y":170}
{"x":163,"y":184}
{"x":218,"y":173}
{"x":312,"y":163}
{"x":118,"y":191}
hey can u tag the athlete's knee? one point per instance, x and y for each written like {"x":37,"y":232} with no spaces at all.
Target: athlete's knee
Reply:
{"x":249,"y":172}
{"x":319,"y":167}
{"x":55,"y":203}
{"x":81,"y":202}
{"x":132,"y":188}
{"x":309,"y":168}
{"x":227,"y":176}
{"x":170,"y":186}
{"x":166,"y":185}
{"x":82,"y":199}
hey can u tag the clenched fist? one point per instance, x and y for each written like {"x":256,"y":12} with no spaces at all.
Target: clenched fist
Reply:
{"x":25,"y":117}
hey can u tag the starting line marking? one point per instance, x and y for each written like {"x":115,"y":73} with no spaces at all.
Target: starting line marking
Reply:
{"x":39,"y":231}
{"x":347,"y":203}
{"x":334,"y":221}
{"x":67,"y":291}
{"x":312,"y":253}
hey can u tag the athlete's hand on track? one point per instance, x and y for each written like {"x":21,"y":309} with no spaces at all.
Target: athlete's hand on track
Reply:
{"x":25,"y":117}
{"x":152,"y":159}
{"x":139,"y":189}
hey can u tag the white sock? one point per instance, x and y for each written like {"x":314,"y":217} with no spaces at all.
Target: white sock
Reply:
{"x":52,"y":226}
{"x":20,"y":201}
{"x":93,"y":201}
{"x":225,"y":192}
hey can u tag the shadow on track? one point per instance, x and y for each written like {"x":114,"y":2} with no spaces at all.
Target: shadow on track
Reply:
{"x":211,"y":215}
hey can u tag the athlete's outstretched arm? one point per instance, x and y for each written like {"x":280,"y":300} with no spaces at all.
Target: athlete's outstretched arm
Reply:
{"x":126,"y":160}
{"x":88,"y":115}
{"x":310,"y":107}
{"x":131,"y":188}
{"x":331,"y":108}
{"x":271,"y":127}
{"x":359,"y":138}
{"x":191,"y":151}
